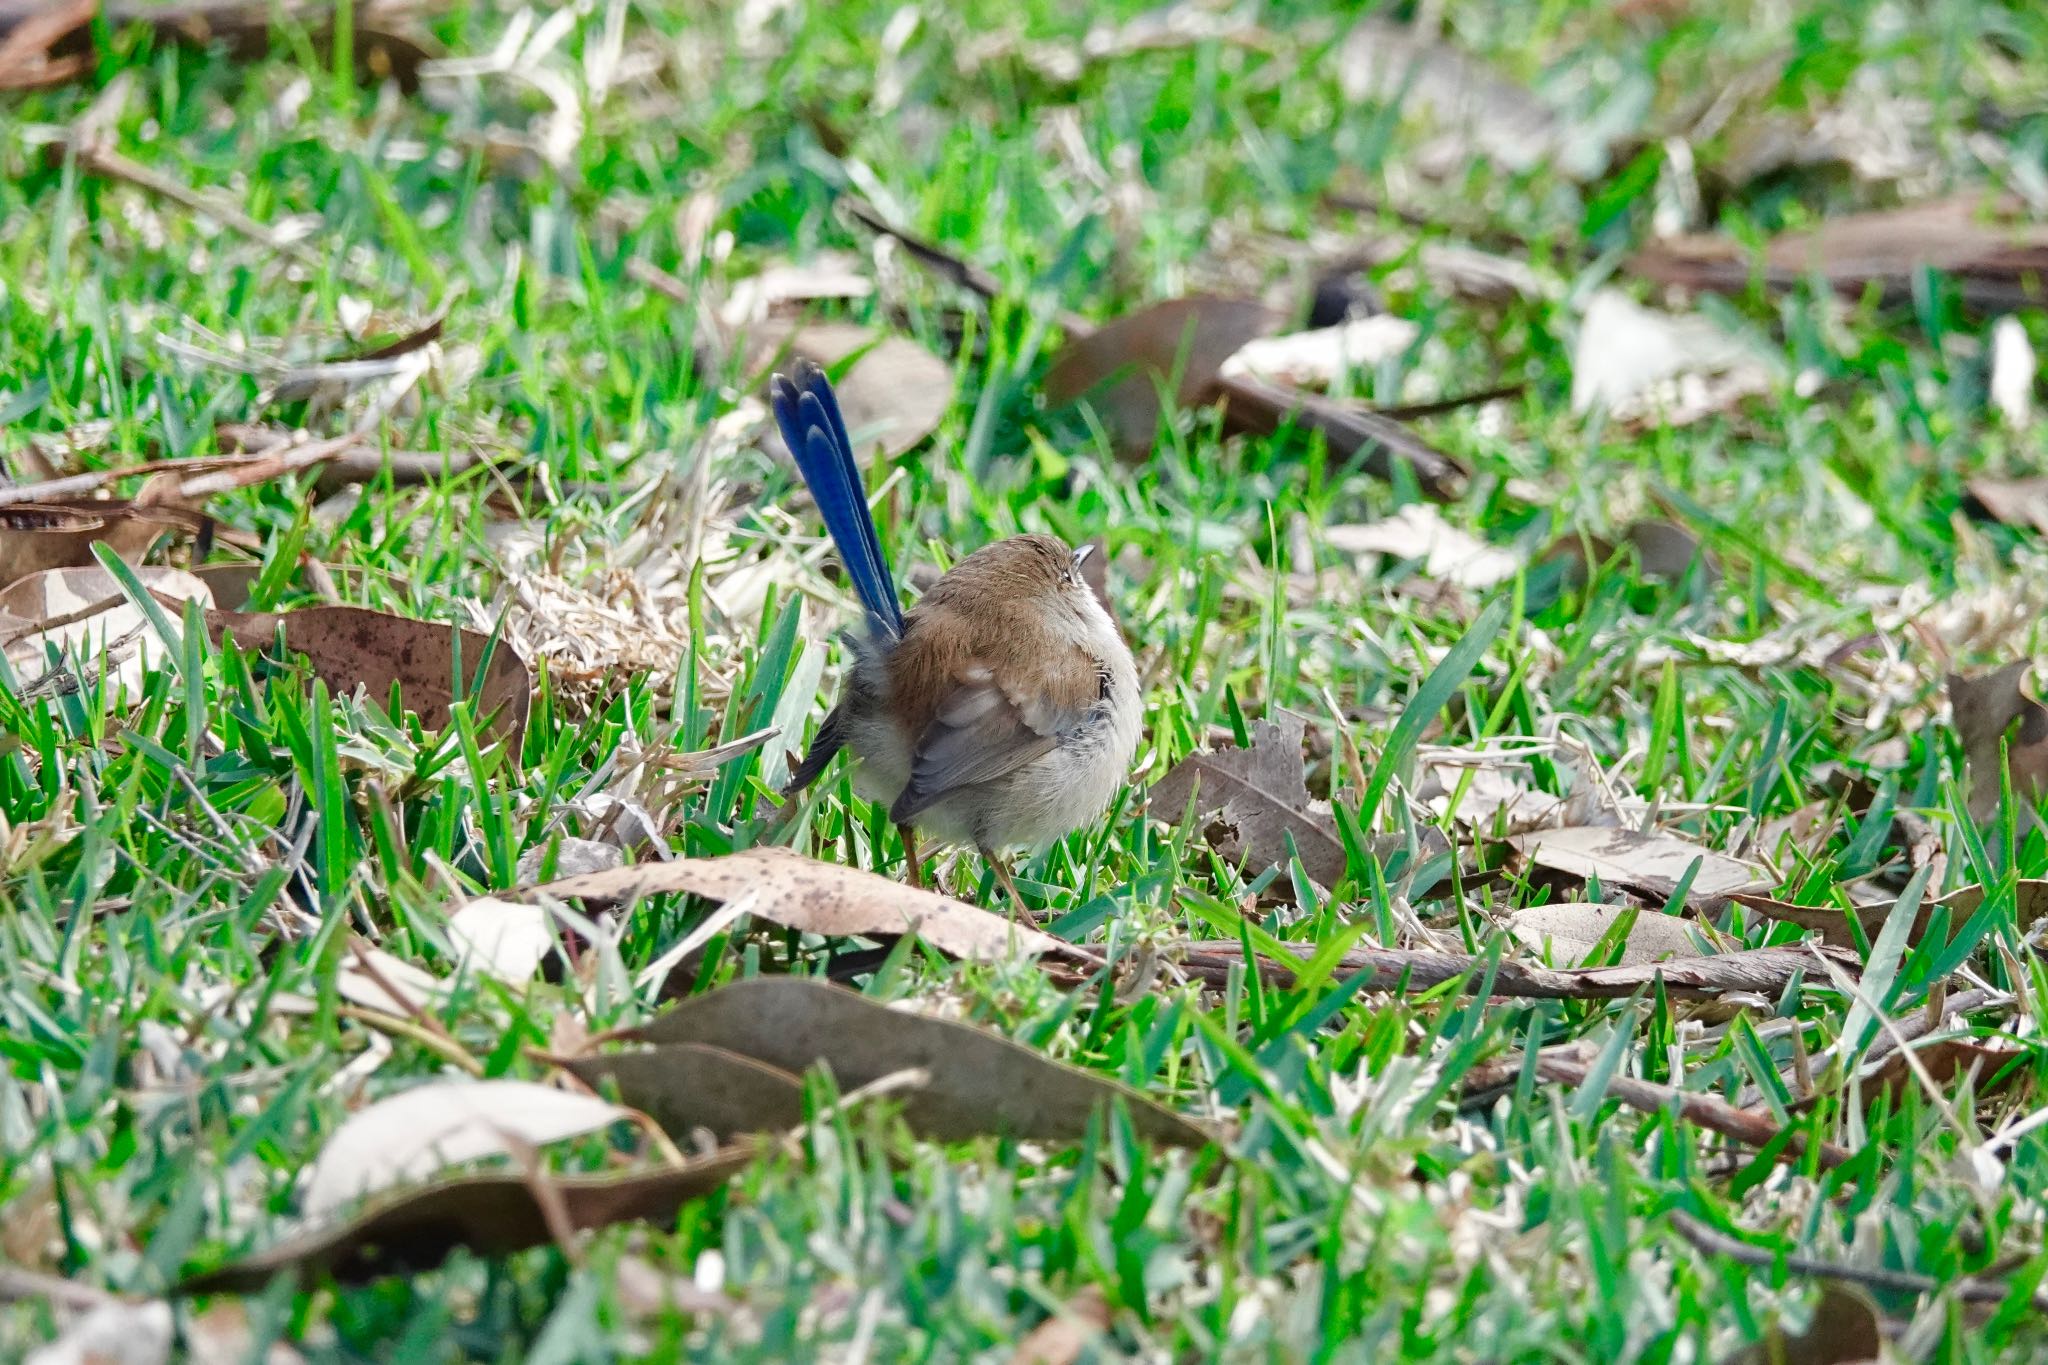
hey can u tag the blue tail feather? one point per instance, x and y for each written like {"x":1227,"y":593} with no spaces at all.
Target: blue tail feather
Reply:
{"x":807,"y":411}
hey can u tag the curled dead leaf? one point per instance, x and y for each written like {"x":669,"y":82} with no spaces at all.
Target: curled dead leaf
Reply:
{"x":1993,"y":710}
{"x":1261,"y":797}
{"x":817,"y":898}
{"x":351,"y":647}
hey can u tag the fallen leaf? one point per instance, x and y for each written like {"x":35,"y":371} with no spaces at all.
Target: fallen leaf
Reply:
{"x":835,"y":275}
{"x":82,"y":613}
{"x":1493,"y":800}
{"x":1652,"y":863}
{"x":1261,"y":794}
{"x":56,"y":535}
{"x":1325,"y":355}
{"x":1991,"y":710}
{"x":1661,"y":549}
{"x":430,"y":1127}
{"x":1994,"y":1066}
{"x":573,"y":857}
{"x":1637,"y":363}
{"x":351,"y":647}
{"x":374,"y":979}
{"x":684,"y":1087}
{"x":1474,"y":108}
{"x":507,"y":939}
{"x":1995,"y":259}
{"x":1832,"y":923}
{"x":1571,"y":931}
{"x":2011,"y":385}
{"x":2021,"y":502}
{"x":1073,"y":1327}
{"x":1418,"y":531}
{"x":816,"y":897}
{"x":978,"y":1084}
{"x":894,"y":395}
{"x":1179,"y":345}
{"x":494,"y":1215}
{"x":1844,"y":1330}
{"x":116,"y":1333}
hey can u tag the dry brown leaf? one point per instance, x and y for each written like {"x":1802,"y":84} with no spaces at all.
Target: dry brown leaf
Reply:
{"x":818,"y":898}
{"x":1419,"y":531}
{"x":2021,"y":502}
{"x":83,"y":614}
{"x":686,"y":1087}
{"x":1997,"y":259}
{"x":351,"y":647}
{"x":894,"y":395}
{"x":1832,"y":924}
{"x":1652,"y":863}
{"x":1990,"y":710}
{"x":1073,"y":1327}
{"x":1179,"y":345}
{"x":1995,"y":1067}
{"x":1662,"y":549}
{"x":494,"y":1215}
{"x":977,"y":1083}
{"x":1571,"y":930}
{"x":1844,"y":1330}
{"x":60,"y":534}
{"x":1261,"y":797}
{"x":417,"y":1132}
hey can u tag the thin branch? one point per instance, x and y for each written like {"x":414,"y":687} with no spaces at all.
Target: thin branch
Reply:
{"x":1715,"y":1242}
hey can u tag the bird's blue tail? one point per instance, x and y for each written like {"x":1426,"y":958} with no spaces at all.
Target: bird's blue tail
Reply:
{"x":808,"y":412}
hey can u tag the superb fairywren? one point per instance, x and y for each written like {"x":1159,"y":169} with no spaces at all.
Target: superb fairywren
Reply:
{"x":1001,"y":711}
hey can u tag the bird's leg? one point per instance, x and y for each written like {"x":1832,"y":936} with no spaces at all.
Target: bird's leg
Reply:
{"x":910,"y":865}
{"x":1018,"y":909}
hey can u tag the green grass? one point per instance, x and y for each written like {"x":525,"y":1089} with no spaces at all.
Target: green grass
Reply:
{"x":158,"y":1100}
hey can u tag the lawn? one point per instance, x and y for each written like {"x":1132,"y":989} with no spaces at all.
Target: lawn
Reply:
{"x":1620,"y":942}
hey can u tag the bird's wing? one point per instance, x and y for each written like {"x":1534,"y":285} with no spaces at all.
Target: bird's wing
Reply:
{"x":985,"y":726}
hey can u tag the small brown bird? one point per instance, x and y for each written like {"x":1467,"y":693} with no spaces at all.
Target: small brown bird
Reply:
{"x":1002,"y":710}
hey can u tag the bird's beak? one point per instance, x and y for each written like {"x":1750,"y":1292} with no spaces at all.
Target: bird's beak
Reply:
{"x":1081,"y":555}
